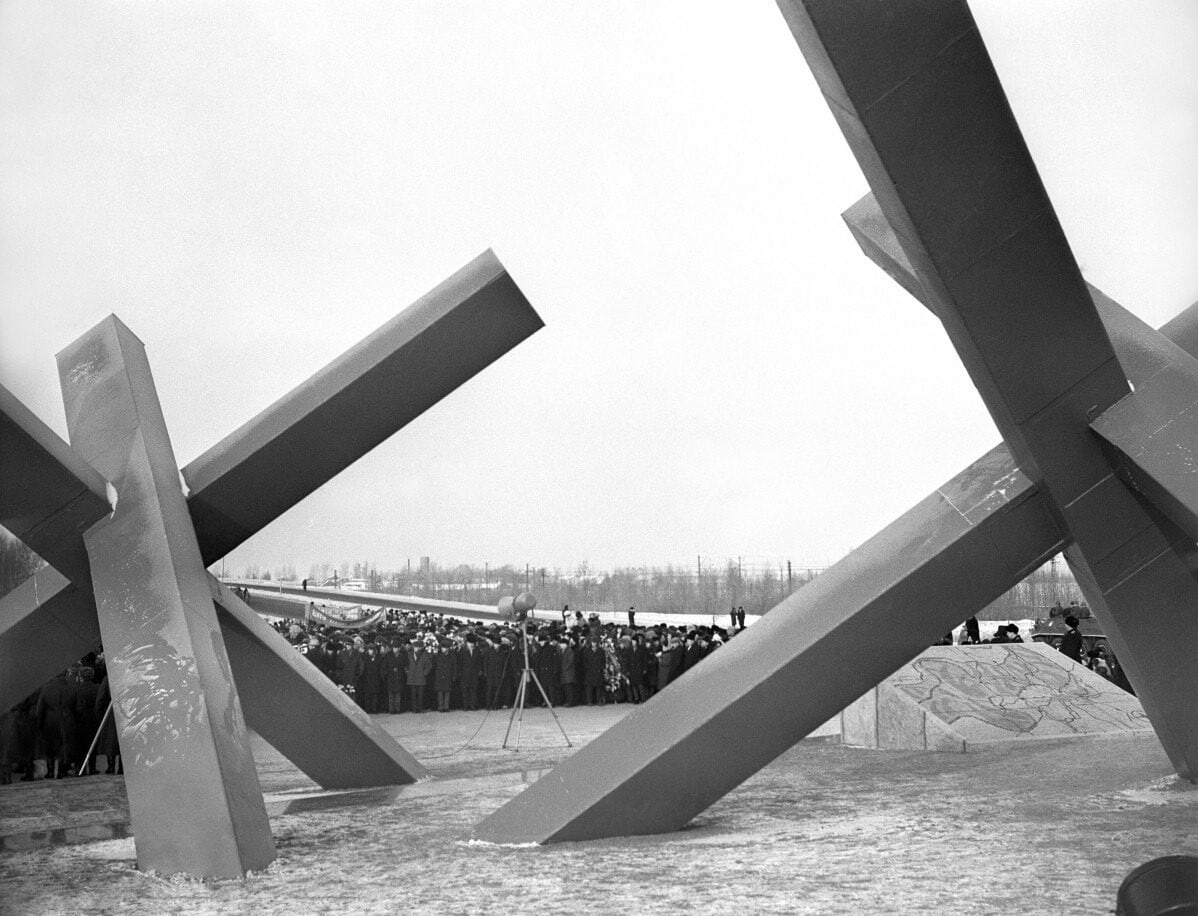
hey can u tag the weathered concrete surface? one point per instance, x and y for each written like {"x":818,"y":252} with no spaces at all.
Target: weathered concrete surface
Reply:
{"x":917,"y":98}
{"x":967,"y":698}
{"x":193,"y":788}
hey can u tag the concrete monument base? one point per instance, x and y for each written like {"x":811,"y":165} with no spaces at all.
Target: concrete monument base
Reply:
{"x":970,"y":698}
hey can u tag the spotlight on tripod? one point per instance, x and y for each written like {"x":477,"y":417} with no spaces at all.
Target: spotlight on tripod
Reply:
{"x":517,"y":610}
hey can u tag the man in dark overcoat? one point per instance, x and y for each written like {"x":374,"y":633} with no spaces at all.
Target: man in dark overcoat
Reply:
{"x":593,"y":662}
{"x":497,"y":662}
{"x":373,"y":682}
{"x":56,"y":723}
{"x":568,"y":666}
{"x":349,"y":670}
{"x":420,"y":666}
{"x":548,"y":669}
{"x":470,"y":670}
{"x":86,"y":722}
{"x":1071,"y":642}
{"x":395,"y":676}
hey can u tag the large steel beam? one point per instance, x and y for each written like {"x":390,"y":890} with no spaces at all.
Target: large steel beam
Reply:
{"x":1152,"y":436}
{"x":174,"y":678}
{"x":46,"y":623}
{"x":189,"y":772}
{"x":931,"y":128}
{"x":1152,"y":433}
{"x":341,"y":412}
{"x":1143,"y":353}
{"x":967,"y":228}
{"x":49,"y":495}
{"x":361,"y":398}
{"x":300,"y":712}
{"x":803,"y":662}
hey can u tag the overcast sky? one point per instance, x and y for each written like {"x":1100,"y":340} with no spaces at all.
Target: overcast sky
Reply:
{"x":253,"y":187}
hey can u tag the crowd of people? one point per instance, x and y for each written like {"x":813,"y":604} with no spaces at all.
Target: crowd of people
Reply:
{"x":1094,"y":653}
{"x":422,"y":661}
{"x":59,"y":724}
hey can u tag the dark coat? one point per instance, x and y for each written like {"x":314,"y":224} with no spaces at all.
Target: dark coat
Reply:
{"x":56,"y":715}
{"x":349,"y":667}
{"x":470,"y":664}
{"x":593,"y":660}
{"x":494,"y":660}
{"x":318,"y":657}
{"x":548,"y":665}
{"x":445,"y":670}
{"x":624,"y":654}
{"x":637,"y":662}
{"x":395,"y":671}
{"x":566,"y":664}
{"x":666,"y":662}
{"x":373,"y":674}
{"x":1071,"y":644}
{"x":420,"y":666}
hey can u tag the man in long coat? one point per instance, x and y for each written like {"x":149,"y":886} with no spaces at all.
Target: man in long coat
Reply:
{"x":395,"y":676}
{"x":470,"y":670}
{"x":420,"y":666}
{"x":445,"y":672}
{"x":349,"y":670}
{"x":593,"y":661}
{"x":86,"y":721}
{"x":497,"y":662}
{"x":56,"y":723}
{"x":548,"y":670}
{"x":373,"y":680}
{"x":568,"y":666}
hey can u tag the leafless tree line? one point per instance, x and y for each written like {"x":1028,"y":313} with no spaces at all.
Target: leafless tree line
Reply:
{"x":704,"y":587}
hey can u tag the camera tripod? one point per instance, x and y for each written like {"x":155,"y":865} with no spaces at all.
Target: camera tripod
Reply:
{"x":526,"y":675}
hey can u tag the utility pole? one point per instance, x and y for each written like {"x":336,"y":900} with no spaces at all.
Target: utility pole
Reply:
{"x":789,"y":579}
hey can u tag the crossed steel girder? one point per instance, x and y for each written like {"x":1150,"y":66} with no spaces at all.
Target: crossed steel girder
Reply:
{"x":191,"y":665}
{"x":959,"y":217}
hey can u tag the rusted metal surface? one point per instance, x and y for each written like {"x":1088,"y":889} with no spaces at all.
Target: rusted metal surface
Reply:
{"x":189,"y":773}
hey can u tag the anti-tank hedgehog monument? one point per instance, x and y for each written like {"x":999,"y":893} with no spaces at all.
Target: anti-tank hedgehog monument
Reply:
{"x":191,"y":665}
{"x":1094,"y":462}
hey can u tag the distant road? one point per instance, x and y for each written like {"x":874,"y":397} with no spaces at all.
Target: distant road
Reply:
{"x":287,"y":594}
